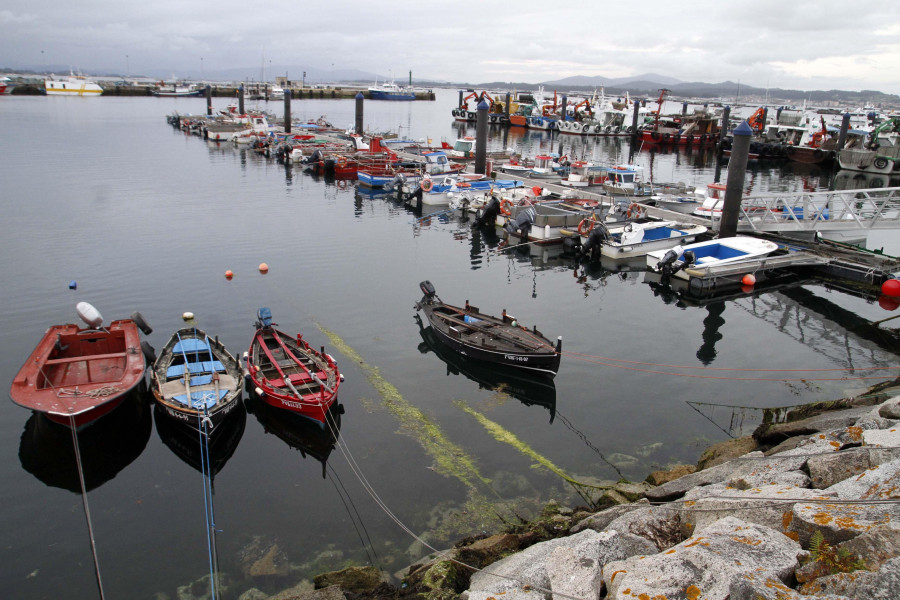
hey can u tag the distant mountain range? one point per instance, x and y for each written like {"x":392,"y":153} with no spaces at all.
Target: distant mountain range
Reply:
{"x":645,"y":85}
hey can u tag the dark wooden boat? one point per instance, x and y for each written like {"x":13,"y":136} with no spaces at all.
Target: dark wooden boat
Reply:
{"x":528,"y":389}
{"x":196,"y":381}
{"x":76,"y":375}
{"x":287,"y":373}
{"x":500,"y":340}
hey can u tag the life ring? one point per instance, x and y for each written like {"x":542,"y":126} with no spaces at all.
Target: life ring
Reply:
{"x":505,"y":206}
{"x":690,"y":139}
{"x":636,"y":208}
{"x":426,"y":185}
{"x":341,"y":184}
{"x":617,"y":129}
{"x":655,"y":135}
{"x":880,"y":162}
{"x":598,"y":129}
{"x":666,"y":137}
{"x":586,"y":225}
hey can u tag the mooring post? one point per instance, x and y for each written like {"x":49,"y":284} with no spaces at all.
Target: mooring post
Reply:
{"x":765,"y":118}
{"x":845,"y":125}
{"x":208,"y":100}
{"x":481,"y":120}
{"x":778,"y":115}
{"x":241,"y":99}
{"x":684,"y":106}
{"x":287,"y":109}
{"x":734,"y":183}
{"x":459,"y":104}
{"x":359,"y":112}
{"x":634,"y":118}
{"x":726,"y":114}
{"x":507,"y":105}
{"x":562,"y":108}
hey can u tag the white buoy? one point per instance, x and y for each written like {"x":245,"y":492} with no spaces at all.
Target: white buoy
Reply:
{"x":187,"y":316}
{"x":89,"y":315}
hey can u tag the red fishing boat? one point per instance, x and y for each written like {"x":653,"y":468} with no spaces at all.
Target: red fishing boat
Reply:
{"x":287,"y":373}
{"x":76,"y":375}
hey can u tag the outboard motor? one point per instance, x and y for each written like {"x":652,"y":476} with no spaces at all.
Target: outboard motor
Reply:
{"x":595,"y":239}
{"x":488,"y":216}
{"x":313,"y":158}
{"x":666,"y":266}
{"x":428,"y":292}
{"x":263,"y":317}
{"x":521,"y":225}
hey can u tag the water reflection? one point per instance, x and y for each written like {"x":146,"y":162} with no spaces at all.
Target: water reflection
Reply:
{"x":46,"y":449}
{"x":185,"y":442}
{"x":530,"y":391}
{"x":299,"y":432}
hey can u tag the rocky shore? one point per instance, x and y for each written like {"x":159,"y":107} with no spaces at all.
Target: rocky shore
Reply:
{"x":806,"y":509}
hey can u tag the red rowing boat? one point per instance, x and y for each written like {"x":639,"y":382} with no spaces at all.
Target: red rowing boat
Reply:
{"x":76,"y":375}
{"x":287,"y":373}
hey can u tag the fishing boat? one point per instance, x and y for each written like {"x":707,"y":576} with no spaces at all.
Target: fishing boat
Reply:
{"x":481,"y":337}
{"x":711,"y":253}
{"x":390,"y":91}
{"x":6,"y":85}
{"x":73,"y":85}
{"x":636,"y":239}
{"x":287,"y":373}
{"x":76,"y":374}
{"x":528,"y":389}
{"x":196,"y":381}
{"x":177,"y":90}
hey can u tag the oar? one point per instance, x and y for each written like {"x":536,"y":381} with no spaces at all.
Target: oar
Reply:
{"x":187,"y":372}
{"x":212,"y":366}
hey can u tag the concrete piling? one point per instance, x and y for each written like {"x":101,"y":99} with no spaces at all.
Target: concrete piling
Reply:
{"x":634,"y":118}
{"x":241,"y":100}
{"x":208,"y":100}
{"x":845,"y":126}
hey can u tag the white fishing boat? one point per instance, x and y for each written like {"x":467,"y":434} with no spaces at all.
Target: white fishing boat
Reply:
{"x":636,"y":239}
{"x":73,"y":85}
{"x":679,"y":260}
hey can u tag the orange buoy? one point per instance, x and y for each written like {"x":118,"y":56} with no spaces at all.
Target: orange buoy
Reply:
{"x":229,"y":274}
{"x":263,"y":268}
{"x":891,"y":287}
{"x":749,"y":279}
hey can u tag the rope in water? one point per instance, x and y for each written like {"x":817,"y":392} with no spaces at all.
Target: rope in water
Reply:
{"x":84,"y":502}
{"x":604,"y":362}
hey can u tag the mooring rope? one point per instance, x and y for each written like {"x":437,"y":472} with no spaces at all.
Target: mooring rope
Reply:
{"x":84,"y":502}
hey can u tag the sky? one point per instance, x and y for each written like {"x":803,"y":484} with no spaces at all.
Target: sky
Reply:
{"x":798,"y":44}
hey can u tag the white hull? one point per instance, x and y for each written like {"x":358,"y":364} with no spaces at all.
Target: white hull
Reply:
{"x":737,"y":249}
{"x":72,"y":86}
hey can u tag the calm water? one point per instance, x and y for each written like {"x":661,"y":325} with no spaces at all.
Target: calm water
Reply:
{"x":104,"y":192}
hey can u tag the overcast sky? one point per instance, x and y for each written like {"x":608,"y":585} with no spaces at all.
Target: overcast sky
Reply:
{"x":765,"y":43}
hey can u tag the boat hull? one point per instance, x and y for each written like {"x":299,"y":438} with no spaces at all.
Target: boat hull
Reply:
{"x":79,"y":375}
{"x":490,"y":339}
{"x":715,"y":253}
{"x":288,"y":374}
{"x":195,"y":381}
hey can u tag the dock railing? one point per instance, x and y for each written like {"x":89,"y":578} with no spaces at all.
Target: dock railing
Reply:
{"x":842,"y":210}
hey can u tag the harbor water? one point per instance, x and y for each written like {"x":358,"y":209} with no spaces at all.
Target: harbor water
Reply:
{"x":144,"y":217}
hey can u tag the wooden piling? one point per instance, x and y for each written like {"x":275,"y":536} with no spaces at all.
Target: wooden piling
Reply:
{"x":359,"y":113}
{"x":481,"y":127}
{"x":287,"y":110}
{"x":734,"y":184}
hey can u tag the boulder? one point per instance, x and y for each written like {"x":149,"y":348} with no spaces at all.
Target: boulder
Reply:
{"x":888,"y":438}
{"x":659,"y":525}
{"x":725,"y":451}
{"x":677,"y":488}
{"x":881,"y":482}
{"x":825,"y":470}
{"x":890,"y":409}
{"x":706,"y":565}
{"x":660,"y":477}
{"x":304,"y":591}
{"x":882,"y":585}
{"x":598,"y":521}
{"x":352,"y":579}
{"x":776,"y":433}
{"x":759,"y":586}
{"x":704,"y":506}
{"x":838,"y":522}
{"x":527,"y":574}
